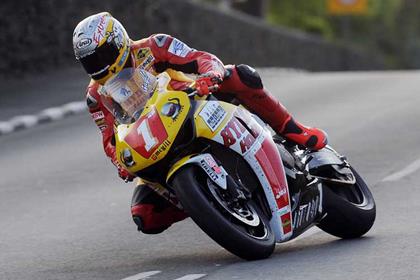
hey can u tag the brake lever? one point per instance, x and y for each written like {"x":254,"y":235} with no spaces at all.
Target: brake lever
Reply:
{"x":194,"y":91}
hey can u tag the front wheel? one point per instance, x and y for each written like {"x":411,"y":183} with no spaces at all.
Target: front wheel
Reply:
{"x":240,"y":228}
{"x":350,"y":210}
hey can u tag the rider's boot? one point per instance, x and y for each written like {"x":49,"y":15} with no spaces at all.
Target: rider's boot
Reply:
{"x":152,"y":213}
{"x":310,"y":137}
{"x":246,"y":84}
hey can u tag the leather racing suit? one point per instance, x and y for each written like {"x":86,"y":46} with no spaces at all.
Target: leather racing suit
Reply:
{"x":157,"y":53}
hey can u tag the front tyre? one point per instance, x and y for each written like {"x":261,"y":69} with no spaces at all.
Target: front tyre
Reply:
{"x":350,"y":210}
{"x":244,"y":232}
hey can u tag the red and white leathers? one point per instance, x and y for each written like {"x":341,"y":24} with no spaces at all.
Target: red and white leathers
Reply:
{"x":160,"y":52}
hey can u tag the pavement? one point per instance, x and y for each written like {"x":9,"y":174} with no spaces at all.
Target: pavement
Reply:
{"x":64,"y":214}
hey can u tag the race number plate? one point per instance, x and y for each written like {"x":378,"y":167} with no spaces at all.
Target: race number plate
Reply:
{"x":147,"y":134}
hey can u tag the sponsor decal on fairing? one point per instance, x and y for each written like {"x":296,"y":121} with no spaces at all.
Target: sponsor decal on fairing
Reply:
{"x":149,"y":136}
{"x":213,"y":114}
{"x":307,"y":212}
{"x":162,"y":148}
{"x":215,"y":172}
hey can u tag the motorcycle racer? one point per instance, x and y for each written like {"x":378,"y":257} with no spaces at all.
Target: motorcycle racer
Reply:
{"x":103,"y":47}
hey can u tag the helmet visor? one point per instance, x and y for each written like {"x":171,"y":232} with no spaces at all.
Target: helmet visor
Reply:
{"x":130,"y":90}
{"x":97,"y":63}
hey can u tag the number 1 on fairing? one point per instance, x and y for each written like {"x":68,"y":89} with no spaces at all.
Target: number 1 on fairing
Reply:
{"x":149,"y":140}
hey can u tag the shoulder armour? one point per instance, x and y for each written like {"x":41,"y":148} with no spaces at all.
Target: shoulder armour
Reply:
{"x":91,"y":101}
{"x":160,"y":39}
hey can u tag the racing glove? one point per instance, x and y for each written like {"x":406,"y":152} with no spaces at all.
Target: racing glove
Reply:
{"x":207,"y":83}
{"x":125,"y":175}
{"x":122,"y":172}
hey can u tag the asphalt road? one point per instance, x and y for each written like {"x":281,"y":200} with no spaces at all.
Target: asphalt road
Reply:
{"x":64,"y":214}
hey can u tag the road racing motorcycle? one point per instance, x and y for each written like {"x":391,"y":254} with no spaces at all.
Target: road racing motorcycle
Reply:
{"x":243,"y":186}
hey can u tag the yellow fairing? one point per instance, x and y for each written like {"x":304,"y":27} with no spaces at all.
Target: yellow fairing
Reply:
{"x":149,"y":139}
{"x":205,"y":110}
{"x":211,"y":117}
{"x":177,"y":166}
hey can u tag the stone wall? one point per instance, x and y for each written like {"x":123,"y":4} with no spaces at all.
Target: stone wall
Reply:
{"x":37,"y":35}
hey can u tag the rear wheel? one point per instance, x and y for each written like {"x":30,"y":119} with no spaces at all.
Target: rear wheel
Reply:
{"x":238,"y":226}
{"x":350,"y":210}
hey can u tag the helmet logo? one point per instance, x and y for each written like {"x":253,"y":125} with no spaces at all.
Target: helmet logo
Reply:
{"x":84,"y":43}
{"x":109,"y":36}
{"x":100,"y":30}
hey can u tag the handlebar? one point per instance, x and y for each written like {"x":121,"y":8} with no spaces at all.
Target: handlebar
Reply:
{"x":192,"y":91}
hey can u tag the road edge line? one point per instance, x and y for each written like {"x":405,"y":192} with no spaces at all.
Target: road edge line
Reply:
{"x":48,"y":115}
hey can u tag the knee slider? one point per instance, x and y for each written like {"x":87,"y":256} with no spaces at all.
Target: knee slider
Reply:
{"x":140,"y":227}
{"x":249,"y":76}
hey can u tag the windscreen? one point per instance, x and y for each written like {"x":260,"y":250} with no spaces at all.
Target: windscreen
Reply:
{"x":126,"y":93}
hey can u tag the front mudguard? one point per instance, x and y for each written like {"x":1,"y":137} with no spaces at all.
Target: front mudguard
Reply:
{"x":207,"y":163}
{"x":328,"y":165}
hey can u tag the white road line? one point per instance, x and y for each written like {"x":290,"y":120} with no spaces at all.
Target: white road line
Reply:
{"x":55,"y":113}
{"x":25,"y":120}
{"x":191,"y":277}
{"x":78,"y":106}
{"x":143,"y":275}
{"x":46,"y":115}
{"x":6,"y":127}
{"x":413,"y":167}
{"x":147,"y":274}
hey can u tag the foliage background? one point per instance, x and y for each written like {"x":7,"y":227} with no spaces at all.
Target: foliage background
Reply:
{"x":390,"y":28}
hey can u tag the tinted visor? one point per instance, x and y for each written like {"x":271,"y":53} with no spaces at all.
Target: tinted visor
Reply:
{"x":97,"y":63}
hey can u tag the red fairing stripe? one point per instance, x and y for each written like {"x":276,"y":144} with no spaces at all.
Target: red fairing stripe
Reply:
{"x":147,"y":134}
{"x":271,"y":163}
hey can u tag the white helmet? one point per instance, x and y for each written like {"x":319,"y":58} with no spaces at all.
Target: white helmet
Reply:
{"x":102,"y":45}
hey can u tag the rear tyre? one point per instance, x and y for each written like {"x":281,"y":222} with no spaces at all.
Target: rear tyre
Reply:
{"x":350,"y":210}
{"x":244,"y":232}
